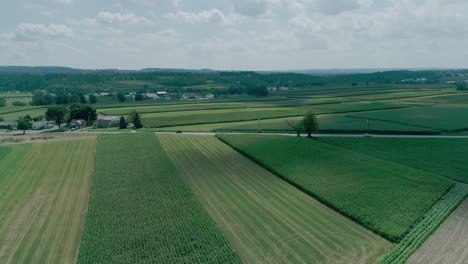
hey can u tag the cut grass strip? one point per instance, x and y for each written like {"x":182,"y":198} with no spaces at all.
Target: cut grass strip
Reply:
{"x":266,"y":219}
{"x":385,"y":197}
{"x":44,"y":191}
{"x":431,"y":221}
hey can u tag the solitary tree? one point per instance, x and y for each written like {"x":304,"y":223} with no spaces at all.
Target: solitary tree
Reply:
{"x":297,"y":126}
{"x":57,"y":114}
{"x":24,"y":124}
{"x":134,"y":118}
{"x":310,"y":123}
{"x":92,"y":99}
{"x":123,"y":123}
{"x":121,"y":97}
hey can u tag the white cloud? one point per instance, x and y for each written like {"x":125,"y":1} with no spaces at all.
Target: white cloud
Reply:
{"x":64,"y":2}
{"x":122,"y":18}
{"x":27,"y":31}
{"x":158,"y":2}
{"x":161,"y":37}
{"x":213,"y":16}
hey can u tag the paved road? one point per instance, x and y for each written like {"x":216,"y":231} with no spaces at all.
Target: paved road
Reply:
{"x":316,"y":135}
{"x":250,"y":133}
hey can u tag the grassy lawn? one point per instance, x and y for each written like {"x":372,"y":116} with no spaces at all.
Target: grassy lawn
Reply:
{"x":44,"y":191}
{"x":266,"y":219}
{"x":142,"y":211}
{"x":386,"y":197}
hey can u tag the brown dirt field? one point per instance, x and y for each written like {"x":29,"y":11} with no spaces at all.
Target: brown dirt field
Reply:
{"x":449,"y":244}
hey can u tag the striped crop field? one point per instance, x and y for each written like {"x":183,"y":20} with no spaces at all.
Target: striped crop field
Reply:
{"x":245,"y":114}
{"x":142,"y":211}
{"x":266,"y":219}
{"x":386,"y":197}
{"x":442,"y":156}
{"x":44,"y":191}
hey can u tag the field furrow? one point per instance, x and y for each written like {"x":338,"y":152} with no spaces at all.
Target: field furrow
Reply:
{"x":44,"y":200}
{"x":266,"y":219}
{"x":141,"y":210}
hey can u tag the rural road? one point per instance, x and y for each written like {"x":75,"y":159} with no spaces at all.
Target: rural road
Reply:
{"x":314,"y":135}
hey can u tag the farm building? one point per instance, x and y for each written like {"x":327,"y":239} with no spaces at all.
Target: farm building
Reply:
{"x":106,"y":122}
{"x":153,"y":96}
{"x":163,"y":95}
{"x":196,"y":97}
{"x":9,"y":124}
{"x":39,"y":125}
{"x":78,"y":123}
{"x":189,"y":97}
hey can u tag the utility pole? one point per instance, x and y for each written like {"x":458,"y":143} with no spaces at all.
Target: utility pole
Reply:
{"x":259,"y":128}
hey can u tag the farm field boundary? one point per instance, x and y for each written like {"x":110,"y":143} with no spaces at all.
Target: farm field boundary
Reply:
{"x":449,"y":243}
{"x":142,"y":211}
{"x":430,"y":222}
{"x":266,"y":219}
{"x":371,"y":184}
{"x":44,"y":194}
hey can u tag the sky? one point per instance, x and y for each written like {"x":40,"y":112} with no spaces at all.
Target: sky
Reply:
{"x":235,"y":34}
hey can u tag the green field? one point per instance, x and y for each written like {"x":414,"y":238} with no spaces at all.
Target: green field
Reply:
{"x":266,"y":219}
{"x":44,"y":191}
{"x":142,"y":211}
{"x":328,"y":123}
{"x":13,"y":112}
{"x":246,"y":114}
{"x":443,"y":156}
{"x":445,"y":118}
{"x":458,"y":98}
{"x":386,"y":197}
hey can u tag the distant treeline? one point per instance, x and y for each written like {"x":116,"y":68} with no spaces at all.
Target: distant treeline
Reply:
{"x":92,"y":81}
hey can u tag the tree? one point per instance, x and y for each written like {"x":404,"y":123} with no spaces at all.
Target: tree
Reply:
{"x":134,"y":118}
{"x":57,"y":114}
{"x":2,"y":102}
{"x":24,"y":124}
{"x":82,"y":98}
{"x":139,"y":97}
{"x":310,"y":123}
{"x":85,"y":112}
{"x":461,"y":86}
{"x":121,"y":97}
{"x":42,"y":99}
{"x":123,"y":123}
{"x":297,"y":126}
{"x":92,"y":99}
{"x":257,"y":90}
{"x":62,"y":99}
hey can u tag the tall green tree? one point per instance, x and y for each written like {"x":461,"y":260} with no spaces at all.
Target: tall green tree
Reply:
{"x":121,"y":97}
{"x":42,"y":99}
{"x":310,"y":123}
{"x":123,"y":123}
{"x":297,"y":126}
{"x":139,"y":96}
{"x":24,"y":124}
{"x":92,"y":99}
{"x":82,"y":98}
{"x":57,"y":114}
{"x":134,"y":118}
{"x":85,"y":112}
